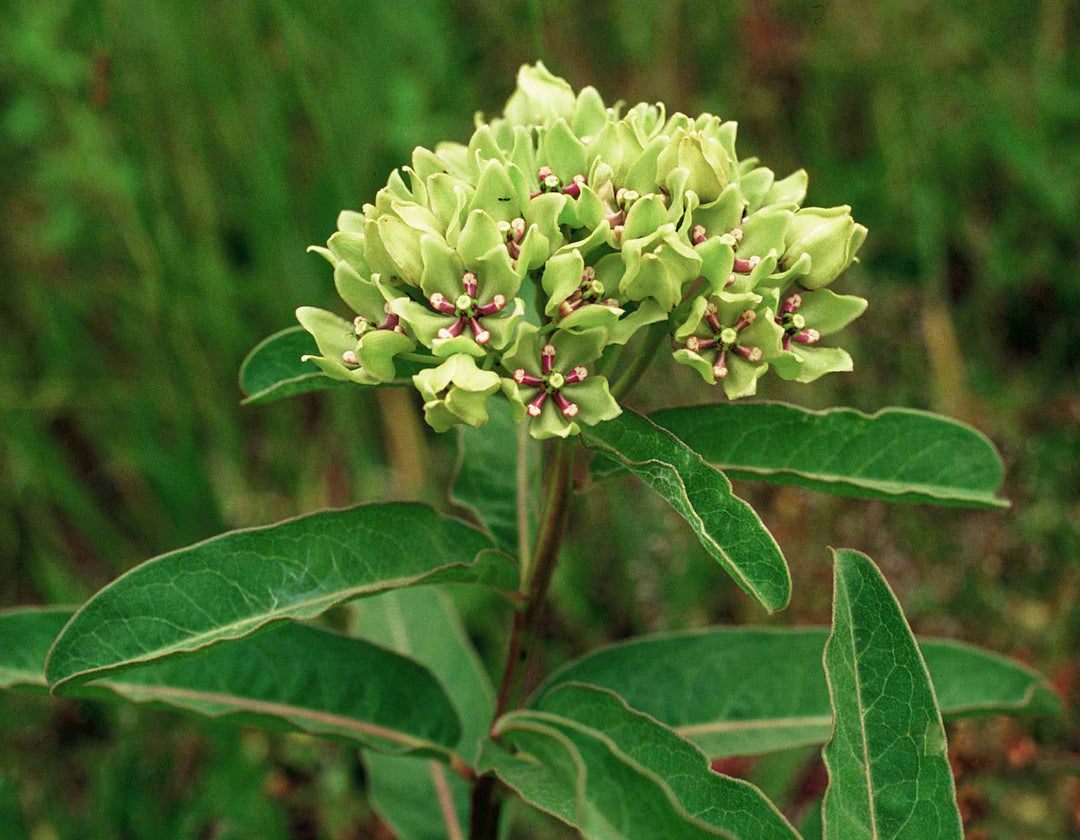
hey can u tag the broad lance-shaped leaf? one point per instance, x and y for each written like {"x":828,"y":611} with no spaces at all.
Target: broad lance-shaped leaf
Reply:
{"x":727,"y":526}
{"x":612,"y":772}
{"x":898,"y":454}
{"x":889,"y":775}
{"x":274,"y":370}
{"x":743,"y":690}
{"x":292,"y":676}
{"x":420,"y":799}
{"x":487,"y":481}
{"x":236,"y":583}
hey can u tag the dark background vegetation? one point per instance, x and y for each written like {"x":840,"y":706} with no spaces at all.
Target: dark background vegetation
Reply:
{"x":164,"y":164}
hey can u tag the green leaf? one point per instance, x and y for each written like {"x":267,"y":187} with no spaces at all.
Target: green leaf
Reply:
{"x":273,"y":369}
{"x":727,"y":526}
{"x":897,"y":454}
{"x":486,"y":479}
{"x":889,"y":774}
{"x":291,"y":676}
{"x":612,"y":772}
{"x":419,"y":799}
{"x":236,"y":583}
{"x":774,"y":695}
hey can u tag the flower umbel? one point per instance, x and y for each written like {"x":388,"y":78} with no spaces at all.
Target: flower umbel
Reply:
{"x":611,"y":221}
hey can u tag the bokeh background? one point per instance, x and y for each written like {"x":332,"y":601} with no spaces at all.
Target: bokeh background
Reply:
{"x":163,"y":166}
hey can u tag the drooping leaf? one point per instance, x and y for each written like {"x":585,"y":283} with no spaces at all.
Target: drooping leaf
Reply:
{"x":889,"y":775}
{"x":745,"y":690}
{"x":486,"y":480}
{"x":733,"y":805}
{"x":897,"y":454}
{"x":291,"y":676}
{"x":727,"y":526}
{"x":420,"y":799}
{"x":236,"y":583}
{"x":274,"y":370}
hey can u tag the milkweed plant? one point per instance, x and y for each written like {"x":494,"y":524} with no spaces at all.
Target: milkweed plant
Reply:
{"x":522,"y":283}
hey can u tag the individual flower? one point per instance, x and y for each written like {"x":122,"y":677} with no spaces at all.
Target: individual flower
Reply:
{"x":456,"y":392}
{"x":829,"y":237}
{"x":552,"y":384}
{"x":362,"y":351}
{"x":464,"y":312}
{"x":729,"y":338}
{"x":805,"y":317}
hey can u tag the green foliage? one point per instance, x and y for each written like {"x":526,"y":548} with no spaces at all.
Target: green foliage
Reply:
{"x":726,"y":525}
{"x":612,"y":772}
{"x":896,"y":454}
{"x":889,"y":774}
{"x":774,"y":693}
{"x":287,"y":677}
{"x":235,"y":584}
{"x":162,"y":179}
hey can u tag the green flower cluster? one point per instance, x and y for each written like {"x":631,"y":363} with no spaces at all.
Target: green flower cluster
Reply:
{"x":617,"y":221}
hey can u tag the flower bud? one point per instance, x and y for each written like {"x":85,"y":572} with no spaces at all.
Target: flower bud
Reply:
{"x":703,"y":157}
{"x":830,"y":237}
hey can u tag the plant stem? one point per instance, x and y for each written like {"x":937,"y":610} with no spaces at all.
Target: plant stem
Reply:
{"x":536,"y":581}
{"x":641,"y":361}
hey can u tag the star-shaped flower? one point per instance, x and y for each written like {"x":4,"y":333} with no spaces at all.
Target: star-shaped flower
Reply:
{"x":551,"y":382}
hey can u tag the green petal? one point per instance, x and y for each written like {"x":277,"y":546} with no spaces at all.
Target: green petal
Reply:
{"x":590,"y":115}
{"x":562,"y":276}
{"x":417,"y":217}
{"x":742,"y":377}
{"x":443,"y":268}
{"x":459,"y":371}
{"x":806,"y":363}
{"x":496,"y":194}
{"x":789,"y":191}
{"x":402,"y":244}
{"x":754,"y":185}
{"x":349,"y":247}
{"x":764,"y":231}
{"x":580,"y":348}
{"x":470,"y":407}
{"x":525,"y":351}
{"x":693,"y":318}
{"x":325,"y":253}
{"x":480,"y":235}
{"x":641,"y":176}
{"x":563,"y":152}
{"x":697,"y":362}
{"x":336,"y":370}
{"x":350,"y":221}
{"x":376,"y":352}
{"x":333,"y":334}
{"x":362,"y":296}
{"x":590,"y":243}
{"x":540,"y":97}
{"x":502,"y":326}
{"x":717,"y":259}
{"x":593,"y":400}
{"x":646,"y":216}
{"x":552,"y":423}
{"x":593,"y":316}
{"x":764,"y":333}
{"x":721,"y":215}
{"x":828,"y":312}
{"x":424,"y":323}
{"x":496,"y":275}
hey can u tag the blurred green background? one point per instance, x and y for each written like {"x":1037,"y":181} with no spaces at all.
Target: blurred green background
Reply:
{"x":163,"y":166}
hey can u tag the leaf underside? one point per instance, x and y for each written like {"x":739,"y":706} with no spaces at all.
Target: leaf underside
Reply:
{"x":727,"y":527}
{"x":232,"y":585}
